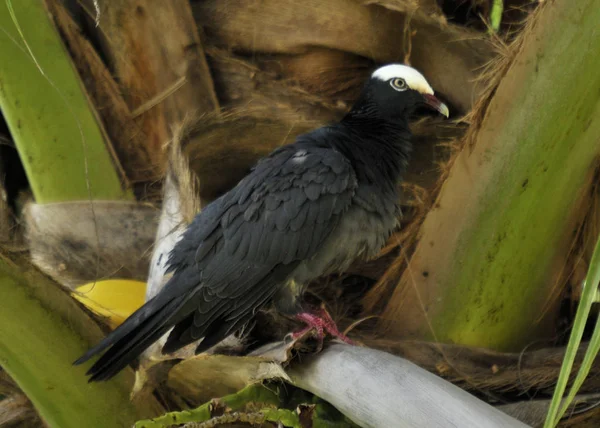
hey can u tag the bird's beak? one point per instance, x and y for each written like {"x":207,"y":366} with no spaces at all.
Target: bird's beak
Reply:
{"x":436,"y":104}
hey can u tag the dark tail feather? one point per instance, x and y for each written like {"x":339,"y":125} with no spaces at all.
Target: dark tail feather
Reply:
{"x":131,"y":338}
{"x":186,"y":331}
{"x":212,"y":333}
{"x":220,"y":320}
{"x":133,"y":321}
{"x":216,"y":335}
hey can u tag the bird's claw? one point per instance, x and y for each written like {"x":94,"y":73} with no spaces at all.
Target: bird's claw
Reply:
{"x":316,"y":331}
{"x":319,"y":323}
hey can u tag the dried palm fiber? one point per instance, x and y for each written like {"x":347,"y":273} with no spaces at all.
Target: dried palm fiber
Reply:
{"x":426,"y":9}
{"x":17,"y":411}
{"x":15,"y":408}
{"x":446,"y":54}
{"x":332,"y":74}
{"x":127,"y":137}
{"x":76,"y":243}
{"x":483,"y":370}
{"x":587,"y":416}
{"x":155,"y":51}
{"x":583,"y":412}
{"x":583,"y":244}
{"x":243,"y":85}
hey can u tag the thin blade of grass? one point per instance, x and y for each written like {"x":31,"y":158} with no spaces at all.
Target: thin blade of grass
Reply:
{"x":584,"y":370}
{"x":496,"y":15}
{"x":588,"y":296}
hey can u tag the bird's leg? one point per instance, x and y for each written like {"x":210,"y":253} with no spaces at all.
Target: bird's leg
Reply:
{"x":311,"y":324}
{"x":321,"y":322}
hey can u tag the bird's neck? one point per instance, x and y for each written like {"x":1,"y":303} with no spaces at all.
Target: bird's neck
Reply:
{"x":379,"y":149}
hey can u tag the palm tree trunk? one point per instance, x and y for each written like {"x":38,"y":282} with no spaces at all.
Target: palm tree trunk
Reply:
{"x":487,"y":269}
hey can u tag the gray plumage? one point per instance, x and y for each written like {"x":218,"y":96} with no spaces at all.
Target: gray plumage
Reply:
{"x":308,"y":209}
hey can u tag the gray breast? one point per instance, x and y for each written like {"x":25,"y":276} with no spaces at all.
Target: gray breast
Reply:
{"x":360,"y":235}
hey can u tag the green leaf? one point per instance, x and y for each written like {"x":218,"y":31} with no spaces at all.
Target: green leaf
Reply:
{"x":50,"y":118}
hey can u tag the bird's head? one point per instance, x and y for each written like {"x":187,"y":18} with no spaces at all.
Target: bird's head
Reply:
{"x":394,"y":92}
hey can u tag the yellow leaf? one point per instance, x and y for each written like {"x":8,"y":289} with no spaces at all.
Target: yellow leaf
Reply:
{"x":115,"y":299}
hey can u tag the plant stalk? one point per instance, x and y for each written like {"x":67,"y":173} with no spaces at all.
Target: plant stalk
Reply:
{"x":42,"y":331}
{"x":53,"y":124}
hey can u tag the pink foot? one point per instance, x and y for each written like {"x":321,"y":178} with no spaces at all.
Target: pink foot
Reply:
{"x":321,"y":322}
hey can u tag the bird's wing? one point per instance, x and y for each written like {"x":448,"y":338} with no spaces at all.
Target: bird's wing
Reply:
{"x":277,"y":216}
{"x":236,"y":252}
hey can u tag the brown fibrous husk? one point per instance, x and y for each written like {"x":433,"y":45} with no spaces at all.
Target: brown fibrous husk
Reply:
{"x":382,"y":32}
{"x":15,"y":408}
{"x":80,"y":242}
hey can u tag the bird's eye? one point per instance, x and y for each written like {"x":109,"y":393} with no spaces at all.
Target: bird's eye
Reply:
{"x":398,"y":84}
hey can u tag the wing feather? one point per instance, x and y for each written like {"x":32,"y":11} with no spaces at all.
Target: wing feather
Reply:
{"x":238,"y":251}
